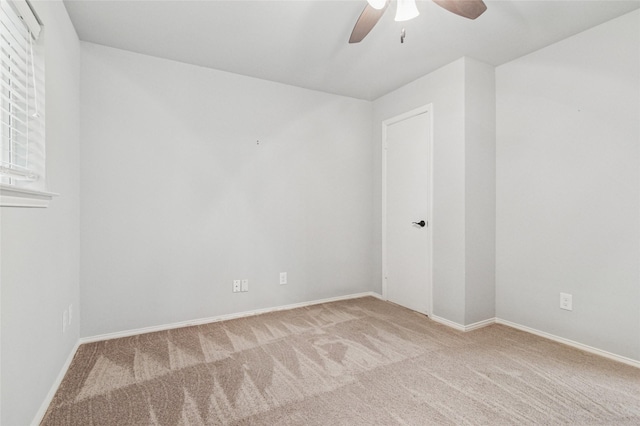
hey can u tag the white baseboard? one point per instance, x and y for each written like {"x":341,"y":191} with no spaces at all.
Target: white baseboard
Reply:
{"x":447,"y":322}
{"x":200,"y":321}
{"x":571,"y":343}
{"x":54,"y":387}
{"x":530,"y":330}
{"x":460,"y":327}
{"x":479,"y":324}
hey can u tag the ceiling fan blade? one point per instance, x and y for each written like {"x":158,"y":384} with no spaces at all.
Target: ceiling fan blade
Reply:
{"x":467,"y":8}
{"x":365,"y":23}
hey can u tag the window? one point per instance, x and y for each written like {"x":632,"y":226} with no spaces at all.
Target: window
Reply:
{"x":22,"y":135}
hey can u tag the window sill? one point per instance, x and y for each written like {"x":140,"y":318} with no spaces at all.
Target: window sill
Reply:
{"x":11,"y":196}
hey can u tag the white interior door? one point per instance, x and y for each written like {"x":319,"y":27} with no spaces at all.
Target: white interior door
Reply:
{"x":407,"y":245}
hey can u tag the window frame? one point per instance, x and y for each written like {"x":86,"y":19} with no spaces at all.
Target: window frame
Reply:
{"x":13,"y":191}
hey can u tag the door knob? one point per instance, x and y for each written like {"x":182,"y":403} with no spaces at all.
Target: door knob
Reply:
{"x":421,"y":223}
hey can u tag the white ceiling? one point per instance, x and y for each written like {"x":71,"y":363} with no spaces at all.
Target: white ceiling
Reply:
{"x":304,"y":42}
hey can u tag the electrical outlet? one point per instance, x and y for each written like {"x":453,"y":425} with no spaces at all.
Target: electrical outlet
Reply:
{"x":566,"y":301}
{"x":70,"y":313}
{"x":283,"y":278}
{"x":236,"y":286}
{"x":65,"y":321}
{"x":245,"y":285}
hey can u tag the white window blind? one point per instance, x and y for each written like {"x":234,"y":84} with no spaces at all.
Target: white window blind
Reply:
{"x":22,"y":149}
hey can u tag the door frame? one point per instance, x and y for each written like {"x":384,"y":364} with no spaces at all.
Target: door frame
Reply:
{"x":428,"y":109}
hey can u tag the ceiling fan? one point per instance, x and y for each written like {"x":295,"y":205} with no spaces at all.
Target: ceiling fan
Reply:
{"x":407,"y":9}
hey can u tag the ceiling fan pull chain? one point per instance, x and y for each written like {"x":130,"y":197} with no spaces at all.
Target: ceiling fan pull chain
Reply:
{"x":403,"y":34}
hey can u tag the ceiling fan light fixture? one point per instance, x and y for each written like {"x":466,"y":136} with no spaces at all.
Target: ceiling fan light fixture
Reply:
{"x":377,"y":4}
{"x":406,"y":10}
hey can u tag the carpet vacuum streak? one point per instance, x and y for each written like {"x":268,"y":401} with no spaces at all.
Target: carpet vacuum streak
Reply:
{"x":353,"y":362}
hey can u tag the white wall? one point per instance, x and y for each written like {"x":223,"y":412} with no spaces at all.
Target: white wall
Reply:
{"x":568,"y":187}
{"x":480,"y":191}
{"x":462,"y":120}
{"x":40,"y":247}
{"x":179,"y":199}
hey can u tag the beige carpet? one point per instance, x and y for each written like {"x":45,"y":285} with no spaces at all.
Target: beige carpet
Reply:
{"x":356,"y":362}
